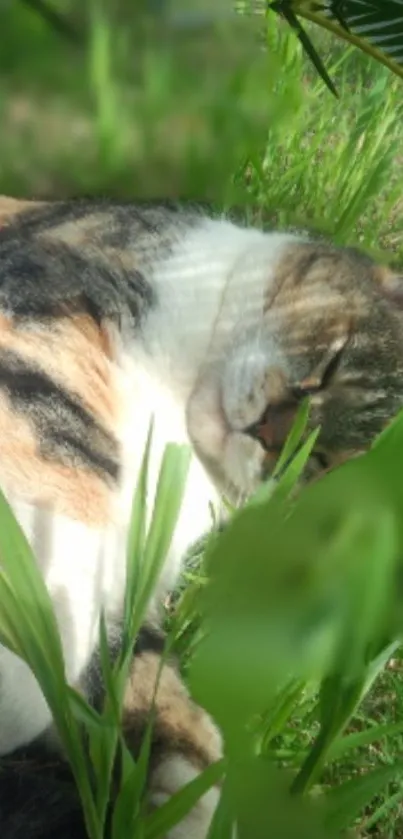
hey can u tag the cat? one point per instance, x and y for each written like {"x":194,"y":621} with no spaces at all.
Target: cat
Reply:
{"x":110,"y":314}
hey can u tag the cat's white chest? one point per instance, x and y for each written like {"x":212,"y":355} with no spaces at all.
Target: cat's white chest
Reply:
{"x":84,"y":568}
{"x":82,"y":571}
{"x":152,"y":403}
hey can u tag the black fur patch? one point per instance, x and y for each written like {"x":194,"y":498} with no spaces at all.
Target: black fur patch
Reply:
{"x":149,"y":639}
{"x":66,"y":430}
{"x":45,"y":279}
{"x":38,"y":799}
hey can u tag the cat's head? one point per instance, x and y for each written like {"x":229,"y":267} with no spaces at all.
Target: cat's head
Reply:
{"x":328,"y":325}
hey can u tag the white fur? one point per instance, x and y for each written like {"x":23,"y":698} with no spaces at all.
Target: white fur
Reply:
{"x":187,"y":365}
{"x":76,"y":564}
{"x":171,"y":775}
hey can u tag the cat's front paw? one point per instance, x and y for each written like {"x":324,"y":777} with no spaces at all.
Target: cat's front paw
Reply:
{"x":170,"y":776}
{"x":185,"y":739}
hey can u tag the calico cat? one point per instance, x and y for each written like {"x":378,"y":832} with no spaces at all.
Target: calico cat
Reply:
{"x":111,"y":314}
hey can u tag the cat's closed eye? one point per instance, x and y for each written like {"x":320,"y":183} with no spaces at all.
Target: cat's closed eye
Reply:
{"x":323,"y":375}
{"x":273,"y":427}
{"x":275,"y":423}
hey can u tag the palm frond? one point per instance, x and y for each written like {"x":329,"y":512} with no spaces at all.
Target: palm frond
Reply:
{"x":374,"y":26}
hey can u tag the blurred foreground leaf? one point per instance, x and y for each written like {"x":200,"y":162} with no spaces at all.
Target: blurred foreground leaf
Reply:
{"x":309,"y":591}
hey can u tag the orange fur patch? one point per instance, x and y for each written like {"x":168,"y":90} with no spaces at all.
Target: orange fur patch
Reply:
{"x":74,"y":492}
{"x":308,"y":299}
{"x":77,"y":233}
{"x":180,"y":724}
{"x":10,"y":207}
{"x":71,"y":352}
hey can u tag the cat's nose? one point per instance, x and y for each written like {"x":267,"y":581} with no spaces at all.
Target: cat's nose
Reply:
{"x":273,"y":427}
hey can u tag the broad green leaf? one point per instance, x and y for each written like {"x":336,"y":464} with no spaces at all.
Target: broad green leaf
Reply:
{"x":222,"y":824}
{"x":374,"y":27}
{"x":263,"y":806}
{"x":370,"y":548}
{"x":374,"y":548}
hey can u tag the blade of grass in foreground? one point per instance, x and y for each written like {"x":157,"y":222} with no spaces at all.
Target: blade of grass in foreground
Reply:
{"x":152,"y":547}
{"x":291,"y":462}
{"x":28,"y":626}
{"x":147,"y":550}
{"x":359,"y":739}
{"x":294,"y":438}
{"x":137,"y":536}
{"x":27,"y":618}
{"x":347,"y":800}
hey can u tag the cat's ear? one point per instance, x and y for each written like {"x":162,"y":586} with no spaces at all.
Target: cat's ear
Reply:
{"x":391,"y":284}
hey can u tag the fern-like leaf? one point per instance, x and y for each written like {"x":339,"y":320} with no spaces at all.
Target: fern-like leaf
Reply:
{"x":374,"y":26}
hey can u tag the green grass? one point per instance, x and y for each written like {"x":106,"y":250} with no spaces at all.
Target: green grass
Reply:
{"x":214,"y":116}
{"x":207,"y":115}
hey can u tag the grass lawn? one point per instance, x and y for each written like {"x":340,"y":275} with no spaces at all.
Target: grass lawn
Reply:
{"x":223,"y":120}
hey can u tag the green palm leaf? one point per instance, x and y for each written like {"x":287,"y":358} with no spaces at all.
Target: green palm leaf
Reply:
{"x":374,"y":26}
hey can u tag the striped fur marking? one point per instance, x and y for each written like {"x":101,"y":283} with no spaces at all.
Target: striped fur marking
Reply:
{"x":58,"y":412}
{"x":180,"y":725}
